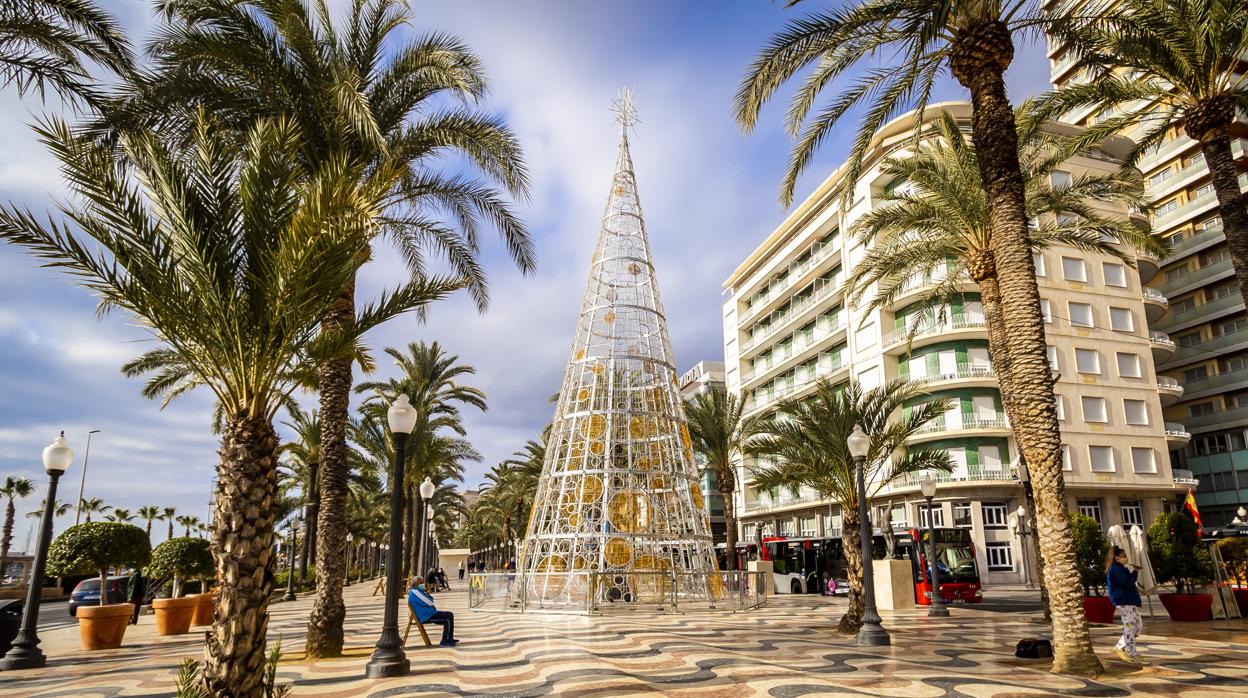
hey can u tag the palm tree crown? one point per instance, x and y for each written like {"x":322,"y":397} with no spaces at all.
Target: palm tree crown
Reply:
{"x":719,"y":432}
{"x":43,"y":44}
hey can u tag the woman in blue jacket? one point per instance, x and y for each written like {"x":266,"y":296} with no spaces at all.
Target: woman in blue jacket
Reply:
{"x":1124,"y":594}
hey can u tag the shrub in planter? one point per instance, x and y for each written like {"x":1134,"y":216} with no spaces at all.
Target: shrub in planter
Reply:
{"x":1234,"y":553}
{"x":179,"y":558}
{"x":92,"y":548}
{"x":1090,"y":550}
{"x":1181,"y":560}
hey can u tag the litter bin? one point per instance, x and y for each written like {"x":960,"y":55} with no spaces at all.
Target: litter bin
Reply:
{"x":10,"y":623}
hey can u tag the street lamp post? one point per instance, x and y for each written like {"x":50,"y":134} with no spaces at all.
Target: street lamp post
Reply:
{"x":290,"y":553}
{"x":388,"y":658}
{"x":25,"y":653}
{"x":426,"y":492}
{"x":82,"y":484}
{"x":937,"y":607}
{"x":350,"y":556}
{"x":1020,"y":527}
{"x":872,"y":632}
{"x":1241,"y":515}
{"x":433,"y":544}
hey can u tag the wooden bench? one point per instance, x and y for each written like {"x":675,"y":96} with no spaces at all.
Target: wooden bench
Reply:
{"x":411,"y":618}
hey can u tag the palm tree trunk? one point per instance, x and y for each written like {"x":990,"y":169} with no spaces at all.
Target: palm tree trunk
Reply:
{"x":851,"y":539}
{"x":9,"y":512}
{"x":311,"y":502}
{"x":726,"y":487}
{"x":1216,"y":146}
{"x":984,"y":274}
{"x":242,"y":544}
{"x":328,"y":611}
{"x":979,"y":59}
{"x":149,"y":531}
{"x":169,"y":535}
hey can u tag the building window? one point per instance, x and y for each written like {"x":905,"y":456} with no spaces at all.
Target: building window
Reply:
{"x":1115,"y":274}
{"x":1222,"y":291}
{"x":901,"y":516}
{"x":1162,"y":209}
{"x":1201,"y":409}
{"x":1090,"y":507}
{"x":1195,"y":374}
{"x":1087,"y":361}
{"x":1101,"y":458}
{"x":1059,"y":179}
{"x":1160,"y":177}
{"x":1094,"y":409}
{"x":1183,"y":305}
{"x":1235,"y":363}
{"x":1120,"y":320}
{"x":962,"y":515}
{"x":1038,"y":260}
{"x":1061,"y":407}
{"x":1000,"y":557}
{"x":1073,"y":269}
{"x":1143,"y":460}
{"x":1046,"y":310}
{"x":1051,"y":352}
{"x":1080,"y":314}
{"x":936,"y":512}
{"x":808,"y":527}
{"x":1136,"y":412}
{"x":996,"y":515}
{"x":1190,"y":339}
{"x":867,"y":336}
{"x":1129,"y":365}
{"x":786,"y":528}
{"x":1233,"y":326}
{"x":1132,"y":513}
{"x":1068,"y":463}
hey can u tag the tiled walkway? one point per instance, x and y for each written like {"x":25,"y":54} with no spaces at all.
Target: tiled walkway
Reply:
{"x":789,"y":648}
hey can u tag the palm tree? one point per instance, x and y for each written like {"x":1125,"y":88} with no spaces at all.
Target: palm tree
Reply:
{"x":149,"y":514}
{"x":120,"y":516}
{"x":188,"y":522}
{"x":43,"y":44}
{"x":807,"y":442}
{"x":350,"y":88}
{"x":974,"y":41}
{"x":1168,"y":65}
{"x":719,"y":432}
{"x":230,"y":254}
{"x":94,"y":505}
{"x":15,"y":487}
{"x":303,"y":458}
{"x":59,"y":509}
{"x":169,"y":514}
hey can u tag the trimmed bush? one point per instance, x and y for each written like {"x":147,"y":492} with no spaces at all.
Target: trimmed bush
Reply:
{"x":1235,"y":554}
{"x":1178,"y":556}
{"x":92,"y":548}
{"x":181,"y":558}
{"x":1090,"y":551}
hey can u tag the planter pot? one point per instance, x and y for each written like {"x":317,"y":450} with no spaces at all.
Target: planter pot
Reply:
{"x":1188,"y":608}
{"x":1241,"y":600}
{"x":203,"y":609}
{"x":1098,"y":609}
{"x":173,"y":616}
{"x":103,"y":627}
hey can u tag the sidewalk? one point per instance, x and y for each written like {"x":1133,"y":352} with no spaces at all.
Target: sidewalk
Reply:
{"x":787,"y":648}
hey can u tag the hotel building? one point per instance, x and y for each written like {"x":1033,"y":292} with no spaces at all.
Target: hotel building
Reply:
{"x":786,"y":326}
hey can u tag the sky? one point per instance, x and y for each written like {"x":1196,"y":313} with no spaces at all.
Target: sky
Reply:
{"x":708,"y":191}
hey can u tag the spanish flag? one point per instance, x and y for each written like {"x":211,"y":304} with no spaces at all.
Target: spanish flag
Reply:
{"x":1190,"y":505}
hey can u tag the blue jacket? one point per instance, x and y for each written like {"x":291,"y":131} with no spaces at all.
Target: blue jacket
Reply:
{"x":1122,"y":589}
{"x":421,"y":604}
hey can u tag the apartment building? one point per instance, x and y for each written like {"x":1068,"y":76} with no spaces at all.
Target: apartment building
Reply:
{"x":705,"y":376}
{"x":786,"y":326}
{"x":1205,"y":319}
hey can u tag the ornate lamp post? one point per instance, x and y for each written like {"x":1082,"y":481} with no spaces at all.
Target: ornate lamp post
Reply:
{"x":426,"y":492}
{"x":350,"y":556}
{"x":433,"y":543}
{"x":937,"y":608}
{"x":25,"y":653}
{"x":1020,"y":528}
{"x":872,"y":632}
{"x":1241,"y":515}
{"x":388,"y":658}
{"x":290,"y":553}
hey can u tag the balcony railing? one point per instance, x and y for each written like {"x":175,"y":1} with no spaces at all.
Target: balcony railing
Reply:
{"x":1236,"y":416}
{"x":1209,"y":347}
{"x":945,"y":423}
{"x":761,"y":399}
{"x":1180,"y":248}
{"x":1152,"y":294}
{"x":760,"y":505}
{"x":781,"y":320}
{"x":1202,"y":312}
{"x":971,"y":473}
{"x":819,"y":253}
{"x":1184,"y":477}
{"x":1161,"y":338}
{"x":1171,"y":217}
{"x":1177,"y":430}
{"x":1168,"y":383}
{"x":955,"y":322}
{"x":1178,"y":279}
{"x":1222,"y":381}
{"x":798,"y":345}
{"x":963,"y":371}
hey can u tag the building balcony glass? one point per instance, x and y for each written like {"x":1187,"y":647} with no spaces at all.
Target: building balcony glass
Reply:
{"x":961,"y":424}
{"x":897,"y":341}
{"x":1177,"y":433}
{"x":1224,"y":382}
{"x":1195,"y":242}
{"x":820,"y":252}
{"x":785,"y":319}
{"x":1207,"y":349}
{"x":1222,"y":419}
{"x":1155,"y":304}
{"x":1203,"y":313}
{"x":1184,"y":477}
{"x":1163,"y":346}
{"x":1185,"y":212}
{"x":962,"y":373}
{"x":1169,"y":390}
{"x":962,"y":473}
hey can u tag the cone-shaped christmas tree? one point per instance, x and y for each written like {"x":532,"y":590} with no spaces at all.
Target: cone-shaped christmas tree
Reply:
{"x":618,"y":515}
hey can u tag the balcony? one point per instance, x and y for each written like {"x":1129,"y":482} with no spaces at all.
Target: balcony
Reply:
{"x":797,"y":350}
{"x":956,"y":423}
{"x":1222,"y":419}
{"x":760,"y":506}
{"x":1187,"y":211}
{"x":896,"y":342}
{"x":763,"y":399}
{"x":1195,"y":242}
{"x":1180,"y":281}
{"x":963,"y":373}
{"x":1214,"y":309}
{"x":1177,"y":433}
{"x":1155,"y":304}
{"x":1208,"y":348}
{"x":969,"y":473}
{"x":915,"y":288}
{"x":1184,"y":177}
{"x":1184,"y":477}
{"x":1147,"y":265}
{"x":819,"y":253}
{"x":784,"y":319}
{"x":1224,"y":382}
{"x":1169,"y":390}
{"x":1163,"y":346}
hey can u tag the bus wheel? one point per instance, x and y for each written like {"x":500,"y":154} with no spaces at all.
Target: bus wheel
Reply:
{"x":796,"y":587}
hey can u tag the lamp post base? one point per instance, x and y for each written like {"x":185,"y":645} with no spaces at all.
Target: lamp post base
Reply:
{"x":289,"y":596}
{"x":940,"y":611}
{"x":873,"y":635}
{"x":385,"y":664}
{"x":23,"y":658}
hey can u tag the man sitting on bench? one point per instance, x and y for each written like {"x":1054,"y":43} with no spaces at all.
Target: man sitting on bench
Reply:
{"x":426,"y":612}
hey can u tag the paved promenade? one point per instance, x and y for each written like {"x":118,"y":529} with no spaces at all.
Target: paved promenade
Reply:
{"x":788,"y":648}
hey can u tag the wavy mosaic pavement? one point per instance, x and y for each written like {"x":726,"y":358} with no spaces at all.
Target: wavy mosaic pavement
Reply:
{"x":788,"y":649}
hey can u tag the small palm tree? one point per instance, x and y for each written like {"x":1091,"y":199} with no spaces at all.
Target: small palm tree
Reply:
{"x":1168,"y":65}
{"x":169,"y":514}
{"x":43,"y":44}
{"x":149,"y":514}
{"x":807,"y":441}
{"x":119,"y":516}
{"x":302,"y":462}
{"x":59,"y":509}
{"x":15,"y":487}
{"x":720,"y":431}
{"x":188,"y":523}
{"x":231,"y":253}
{"x":94,"y":505}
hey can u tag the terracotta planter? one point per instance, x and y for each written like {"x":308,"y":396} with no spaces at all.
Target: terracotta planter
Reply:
{"x":103,"y":627}
{"x":1098,"y":609}
{"x":203,"y":610}
{"x":173,"y":616}
{"x":1188,"y":608}
{"x":1241,"y":600}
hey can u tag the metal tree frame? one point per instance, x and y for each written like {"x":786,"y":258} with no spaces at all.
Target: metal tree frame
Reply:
{"x":618,"y":516}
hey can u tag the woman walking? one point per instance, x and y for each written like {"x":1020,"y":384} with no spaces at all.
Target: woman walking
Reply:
{"x":1123,"y":593}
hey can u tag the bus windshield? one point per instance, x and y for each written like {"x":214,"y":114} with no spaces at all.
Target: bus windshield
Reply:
{"x":956,"y":562}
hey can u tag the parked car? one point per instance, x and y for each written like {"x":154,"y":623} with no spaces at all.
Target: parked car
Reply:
{"x":87,"y":593}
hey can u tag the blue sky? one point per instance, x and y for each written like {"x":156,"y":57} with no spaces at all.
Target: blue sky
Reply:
{"x":709,"y":195}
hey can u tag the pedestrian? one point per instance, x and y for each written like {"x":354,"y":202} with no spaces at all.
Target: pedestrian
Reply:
{"x":460,"y":567}
{"x":1121,"y":579}
{"x":426,"y":612}
{"x":136,"y":590}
